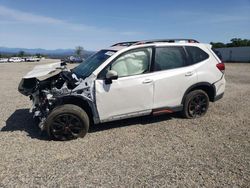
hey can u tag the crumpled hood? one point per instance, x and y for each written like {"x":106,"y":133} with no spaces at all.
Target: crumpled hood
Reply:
{"x":43,"y":70}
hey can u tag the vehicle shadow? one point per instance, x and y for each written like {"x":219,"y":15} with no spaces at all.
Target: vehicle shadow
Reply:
{"x":22,"y":120}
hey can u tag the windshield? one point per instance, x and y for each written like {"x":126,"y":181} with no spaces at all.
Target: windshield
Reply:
{"x":86,"y":68}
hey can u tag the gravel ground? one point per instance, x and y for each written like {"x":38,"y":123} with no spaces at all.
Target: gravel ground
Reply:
{"x":213,"y":151}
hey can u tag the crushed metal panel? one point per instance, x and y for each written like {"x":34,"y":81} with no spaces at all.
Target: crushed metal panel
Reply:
{"x":42,"y":70}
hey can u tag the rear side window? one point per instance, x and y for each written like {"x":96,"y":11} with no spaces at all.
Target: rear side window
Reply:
{"x":169,"y":58}
{"x":196,"y":54}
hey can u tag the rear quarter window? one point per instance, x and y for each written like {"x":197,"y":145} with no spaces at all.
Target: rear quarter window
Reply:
{"x":217,"y":53}
{"x":196,"y":54}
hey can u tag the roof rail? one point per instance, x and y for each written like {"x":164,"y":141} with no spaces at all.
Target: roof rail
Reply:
{"x":125,"y":43}
{"x":167,"y":41}
{"x":133,"y":43}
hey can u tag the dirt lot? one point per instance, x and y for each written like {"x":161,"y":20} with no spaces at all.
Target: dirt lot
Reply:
{"x":150,"y":151}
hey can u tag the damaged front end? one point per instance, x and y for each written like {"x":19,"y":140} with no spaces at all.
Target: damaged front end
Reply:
{"x":47,"y":93}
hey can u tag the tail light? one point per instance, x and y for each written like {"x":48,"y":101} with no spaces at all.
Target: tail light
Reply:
{"x":221,"y":67}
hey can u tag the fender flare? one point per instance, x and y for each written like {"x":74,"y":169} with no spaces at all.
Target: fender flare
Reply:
{"x":82,"y":102}
{"x":198,"y":85}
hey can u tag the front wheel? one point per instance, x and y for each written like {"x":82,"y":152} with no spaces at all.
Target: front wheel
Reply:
{"x":67,"y":122}
{"x":196,"y":104}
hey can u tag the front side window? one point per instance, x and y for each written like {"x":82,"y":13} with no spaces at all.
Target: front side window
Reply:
{"x":169,"y":57}
{"x":130,"y":63}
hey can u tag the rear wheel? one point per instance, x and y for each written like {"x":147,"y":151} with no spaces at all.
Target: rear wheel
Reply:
{"x":67,"y":122}
{"x":196,"y":104}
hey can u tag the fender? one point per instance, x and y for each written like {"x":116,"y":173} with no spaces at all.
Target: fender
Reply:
{"x":211,"y":90}
{"x":83,"y":102}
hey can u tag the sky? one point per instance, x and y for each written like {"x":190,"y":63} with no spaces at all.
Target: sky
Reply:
{"x":95,"y":24}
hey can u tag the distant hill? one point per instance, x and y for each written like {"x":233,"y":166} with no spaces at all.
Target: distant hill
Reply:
{"x":57,"y":53}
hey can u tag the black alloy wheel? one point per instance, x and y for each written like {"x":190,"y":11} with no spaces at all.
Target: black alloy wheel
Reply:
{"x":196,"y":104}
{"x":67,"y":122}
{"x":66,"y":127}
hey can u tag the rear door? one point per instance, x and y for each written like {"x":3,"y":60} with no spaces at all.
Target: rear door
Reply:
{"x":172,"y":76}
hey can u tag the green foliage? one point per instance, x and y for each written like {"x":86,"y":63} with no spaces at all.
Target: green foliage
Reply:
{"x":4,"y":55}
{"x":21,"y":54}
{"x":235,"y":42}
{"x":218,"y":45}
{"x":38,"y":55}
{"x":79,"y":51}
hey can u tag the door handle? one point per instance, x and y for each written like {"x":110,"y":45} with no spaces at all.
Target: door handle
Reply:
{"x":189,"y":73}
{"x":147,"y":81}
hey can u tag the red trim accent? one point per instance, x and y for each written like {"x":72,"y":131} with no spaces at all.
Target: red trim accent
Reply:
{"x":164,"y":111}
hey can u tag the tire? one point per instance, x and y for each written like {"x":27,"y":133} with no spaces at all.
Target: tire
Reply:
{"x":196,"y":104}
{"x":67,"y":122}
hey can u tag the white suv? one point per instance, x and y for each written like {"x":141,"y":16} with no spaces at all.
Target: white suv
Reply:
{"x":126,"y":80}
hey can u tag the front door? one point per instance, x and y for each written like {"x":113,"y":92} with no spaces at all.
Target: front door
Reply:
{"x":132,"y":93}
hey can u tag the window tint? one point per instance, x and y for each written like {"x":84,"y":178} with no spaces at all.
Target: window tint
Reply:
{"x":131,"y":63}
{"x":196,"y":54}
{"x":169,"y":58}
{"x":217,"y":53}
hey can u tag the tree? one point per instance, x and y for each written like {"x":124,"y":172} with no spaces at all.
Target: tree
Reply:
{"x":21,"y":53}
{"x":235,"y":42}
{"x":79,"y":51}
{"x":218,"y":45}
{"x":38,"y":55}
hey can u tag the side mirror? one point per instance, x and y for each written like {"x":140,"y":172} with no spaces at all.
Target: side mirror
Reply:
{"x":111,"y":75}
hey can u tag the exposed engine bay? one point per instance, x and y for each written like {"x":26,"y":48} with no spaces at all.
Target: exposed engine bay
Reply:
{"x":48,"y":93}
